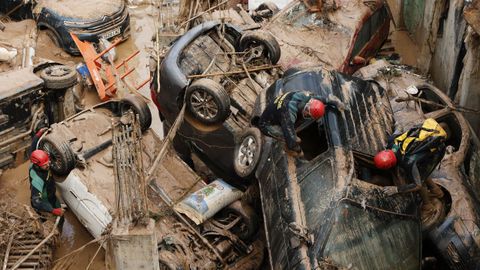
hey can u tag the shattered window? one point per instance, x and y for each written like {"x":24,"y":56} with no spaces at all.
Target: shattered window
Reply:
{"x":314,"y":140}
{"x":365,"y":171}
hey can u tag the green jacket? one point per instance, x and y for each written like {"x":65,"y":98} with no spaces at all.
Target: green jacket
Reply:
{"x":43,"y":190}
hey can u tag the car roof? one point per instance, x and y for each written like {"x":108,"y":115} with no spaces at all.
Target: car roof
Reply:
{"x":368,"y":120}
{"x":18,"y":81}
{"x":90,"y":9}
{"x":332,"y":35}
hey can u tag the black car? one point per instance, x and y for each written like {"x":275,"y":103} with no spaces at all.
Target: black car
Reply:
{"x":27,"y":103}
{"x":328,"y":208}
{"x":218,"y":106}
{"x":91,"y":20}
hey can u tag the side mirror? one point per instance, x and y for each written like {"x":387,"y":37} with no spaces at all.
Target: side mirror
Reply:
{"x":358,"y":60}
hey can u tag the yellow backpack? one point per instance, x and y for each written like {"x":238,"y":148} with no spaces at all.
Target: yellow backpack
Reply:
{"x":420,"y":138}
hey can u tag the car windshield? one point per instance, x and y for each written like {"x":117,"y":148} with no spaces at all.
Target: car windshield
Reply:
{"x":391,"y":239}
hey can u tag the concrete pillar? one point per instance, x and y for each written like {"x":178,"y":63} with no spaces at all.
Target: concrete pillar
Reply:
{"x":133,"y":248}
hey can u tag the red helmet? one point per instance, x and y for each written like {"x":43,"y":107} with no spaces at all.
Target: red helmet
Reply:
{"x":39,"y":158}
{"x":385,"y":159}
{"x":314,"y":109}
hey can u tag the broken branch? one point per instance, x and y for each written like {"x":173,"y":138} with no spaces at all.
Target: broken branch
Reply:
{"x":453,"y":108}
{"x":201,"y":13}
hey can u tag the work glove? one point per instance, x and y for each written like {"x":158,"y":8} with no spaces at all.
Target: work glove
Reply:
{"x":295,"y":152}
{"x":57,"y":211}
{"x":390,"y":190}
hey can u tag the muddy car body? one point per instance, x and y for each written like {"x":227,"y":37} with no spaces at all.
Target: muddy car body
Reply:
{"x":456,"y":235}
{"x":107,"y":19}
{"x":89,"y":192}
{"x":337,"y":38}
{"x":27,"y":103}
{"x":328,"y":208}
{"x":202,"y":50}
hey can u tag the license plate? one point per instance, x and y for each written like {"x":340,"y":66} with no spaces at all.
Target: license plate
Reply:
{"x":111,"y":34}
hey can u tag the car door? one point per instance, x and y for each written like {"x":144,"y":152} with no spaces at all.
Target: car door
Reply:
{"x":369,"y":38}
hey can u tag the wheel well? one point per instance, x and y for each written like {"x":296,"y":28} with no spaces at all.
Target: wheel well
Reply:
{"x":43,"y":26}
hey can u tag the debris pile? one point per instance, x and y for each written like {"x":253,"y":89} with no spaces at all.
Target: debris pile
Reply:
{"x":25,"y":241}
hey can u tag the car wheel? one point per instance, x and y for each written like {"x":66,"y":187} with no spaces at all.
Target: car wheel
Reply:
{"x":53,"y":36}
{"x":428,"y":223}
{"x":253,"y":39}
{"x":59,"y":77}
{"x":139,"y":107}
{"x":248,"y":225}
{"x":62,"y":158}
{"x":269,"y":7}
{"x":247,"y":153}
{"x":207,"y":101}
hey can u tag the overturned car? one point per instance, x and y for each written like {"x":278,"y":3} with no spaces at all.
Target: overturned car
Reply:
{"x":28,"y":102}
{"x":217,"y":71}
{"x":81,"y":148}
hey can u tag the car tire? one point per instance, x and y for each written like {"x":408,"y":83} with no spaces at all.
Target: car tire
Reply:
{"x":139,"y":107}
{"x":207,"y":101}
{"x":259,"y":37}
{"x":59,"y":77}
{"x":248,"y":217}
{"x":440,"y":214}
{"x":247,"y":153}
{"x":272,"y":7}
{"x":54,"y":37}
{"x":62,"y":158}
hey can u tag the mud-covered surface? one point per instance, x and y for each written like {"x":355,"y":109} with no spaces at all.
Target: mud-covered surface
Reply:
{"x":90,"y":9}
{"x":316,"y":33}
{"x":15,"y":37}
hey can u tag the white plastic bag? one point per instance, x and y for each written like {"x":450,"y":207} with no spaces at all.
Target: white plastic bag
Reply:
{"x":7,"y":55}
{"x":206,"y":202}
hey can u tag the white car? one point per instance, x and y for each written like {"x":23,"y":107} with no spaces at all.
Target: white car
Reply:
{"x":81,"y":147}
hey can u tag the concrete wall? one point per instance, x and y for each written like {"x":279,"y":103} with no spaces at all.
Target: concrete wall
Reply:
{"x":446,"y":63}
{"x":468,"y":94}
{"x":422,"y":19}
{"x":452,"y":55}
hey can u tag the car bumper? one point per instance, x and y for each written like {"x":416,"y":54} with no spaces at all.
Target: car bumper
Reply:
{"x":118,"y":30}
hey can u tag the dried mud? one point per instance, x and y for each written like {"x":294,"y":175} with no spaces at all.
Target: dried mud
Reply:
{"x":89,"y":9}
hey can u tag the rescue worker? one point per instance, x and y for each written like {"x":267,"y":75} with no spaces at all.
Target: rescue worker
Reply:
{"x":42,"y":185}
{"x":418,"y":151}
{"x":279,"y":118}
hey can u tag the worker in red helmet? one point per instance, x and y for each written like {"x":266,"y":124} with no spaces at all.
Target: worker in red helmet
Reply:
{"x":418,"y":151}
{"x":42,"y":185}
{"x":279,"y":118}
